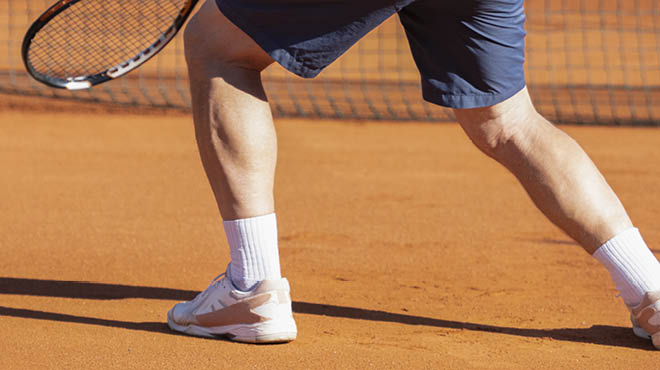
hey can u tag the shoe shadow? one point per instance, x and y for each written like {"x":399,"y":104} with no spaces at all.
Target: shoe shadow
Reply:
{"x":598,"y":334}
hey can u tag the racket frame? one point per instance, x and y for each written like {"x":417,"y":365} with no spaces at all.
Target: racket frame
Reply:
{"x":85,"y":82}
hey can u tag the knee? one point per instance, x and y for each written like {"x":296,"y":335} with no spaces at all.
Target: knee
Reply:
{"x":497,"y":130}
{"x":491,"y":136}
{"x":212,"y":41}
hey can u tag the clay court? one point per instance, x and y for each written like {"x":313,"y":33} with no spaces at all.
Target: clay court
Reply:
{"x":405,"y":246}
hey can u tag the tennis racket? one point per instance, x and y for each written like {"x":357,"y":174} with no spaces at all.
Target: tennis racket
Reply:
{"x":77,"y":44}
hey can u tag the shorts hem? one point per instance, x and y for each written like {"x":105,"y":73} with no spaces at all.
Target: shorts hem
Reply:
{"x":459,"y":101}
{"x":279,"y":54}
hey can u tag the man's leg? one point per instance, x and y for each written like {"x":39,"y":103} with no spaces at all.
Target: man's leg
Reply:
{"x":559,"y":177}
{"x":233,"y":122}
{"x":236,"y":139}
{"x":238,"y":148}
{"x":568,"y":188}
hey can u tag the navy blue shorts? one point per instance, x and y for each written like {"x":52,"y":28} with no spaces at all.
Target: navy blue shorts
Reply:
{"x":470,"y":53}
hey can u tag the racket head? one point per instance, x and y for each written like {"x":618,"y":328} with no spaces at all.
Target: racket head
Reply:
{"x":76,"y":44}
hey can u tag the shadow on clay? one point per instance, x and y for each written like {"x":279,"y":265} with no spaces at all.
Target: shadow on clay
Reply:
{"x":565,"y":242}
{"x":596,"y":334}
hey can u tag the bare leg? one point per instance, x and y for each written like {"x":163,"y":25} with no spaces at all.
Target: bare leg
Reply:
{"x":554,"y":170}
{"x":238,"y":147}
{"x":233,"y":123}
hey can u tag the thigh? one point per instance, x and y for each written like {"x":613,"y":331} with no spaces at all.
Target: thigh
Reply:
{"x":211,"y":37}
{"x":470,"y":53}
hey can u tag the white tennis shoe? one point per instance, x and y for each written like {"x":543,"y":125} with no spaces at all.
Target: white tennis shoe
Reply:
{"x":646,"y":318}
{"x":261,"y":315}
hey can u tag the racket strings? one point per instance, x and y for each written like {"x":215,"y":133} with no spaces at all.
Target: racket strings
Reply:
{"x":92,"y":36}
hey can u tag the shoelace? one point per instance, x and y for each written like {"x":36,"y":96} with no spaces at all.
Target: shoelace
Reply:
{"x":215,"y":281}
{"x":218,"y":279}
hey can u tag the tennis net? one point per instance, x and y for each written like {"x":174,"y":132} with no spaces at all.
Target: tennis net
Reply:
{"x":588,"y":61}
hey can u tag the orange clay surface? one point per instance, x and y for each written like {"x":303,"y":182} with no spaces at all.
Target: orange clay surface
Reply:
{"x":405,"y":247}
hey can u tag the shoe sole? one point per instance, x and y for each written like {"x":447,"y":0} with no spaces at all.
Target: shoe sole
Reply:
{"x":260,"y":333}
{"x":641,"y":332}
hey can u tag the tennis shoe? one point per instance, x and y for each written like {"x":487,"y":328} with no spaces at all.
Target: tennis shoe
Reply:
{"x":261,"y":315}
{"x":645,"y":318}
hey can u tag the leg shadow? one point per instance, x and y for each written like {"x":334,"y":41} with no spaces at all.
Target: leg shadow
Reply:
{"x":597,"y":334}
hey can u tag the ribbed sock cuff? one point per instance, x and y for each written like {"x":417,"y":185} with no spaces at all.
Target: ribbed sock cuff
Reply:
{"x":254,"y":250}
{"x":632,"y":266}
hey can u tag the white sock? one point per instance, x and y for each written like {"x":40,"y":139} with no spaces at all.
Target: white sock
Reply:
{"x":632,"y":266}
{"x":253,"y":250}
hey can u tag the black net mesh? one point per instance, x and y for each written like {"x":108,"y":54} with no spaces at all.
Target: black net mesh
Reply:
{"x":588,"y":61}
{"x":92,"y":36}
